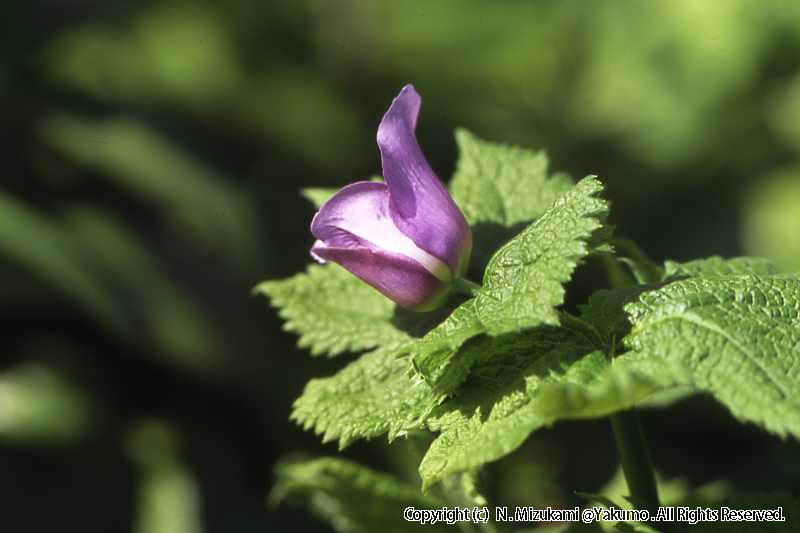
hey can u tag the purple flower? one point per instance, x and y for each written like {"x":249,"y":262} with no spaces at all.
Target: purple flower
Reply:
{"x":405,"y":237}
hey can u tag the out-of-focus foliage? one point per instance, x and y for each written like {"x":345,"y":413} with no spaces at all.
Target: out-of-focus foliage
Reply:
{"x":188,"y":57}
{"x":38,"y":405}
{"x":353,"y":498}
{"x":167,"y":495}
{"x":772,"y":218}
{"x":153,"y":153}
{"x":196,"y":199}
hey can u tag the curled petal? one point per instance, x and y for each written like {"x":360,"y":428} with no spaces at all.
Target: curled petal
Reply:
{"x":358,"y":216}
{"x":398,"y":277}
{"x":405,"y":237}
{"x":420,"y":205}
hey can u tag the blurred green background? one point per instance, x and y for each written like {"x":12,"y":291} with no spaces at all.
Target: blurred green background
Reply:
{"x":152,"y":157}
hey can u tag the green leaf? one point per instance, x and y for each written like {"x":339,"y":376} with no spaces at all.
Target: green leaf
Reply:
{"x":351,"y":497}
{"x":333,"y":311}
{"x":604,"y":312}
{"x":522,"y":286}
{"x":717,"y":266}
{"x":437,"y":358}
{"x":495,"y":409}
{"x":606,"y":388}
{"x":521,"y":382}
{"x":373,"y":395}
{"x":735,"y":337}
{"x":524,"y":280}
{"x":633,"y":379}
{"x":502,"y":184}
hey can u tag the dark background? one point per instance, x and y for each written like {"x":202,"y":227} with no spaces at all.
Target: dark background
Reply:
{"x":152,"y":157}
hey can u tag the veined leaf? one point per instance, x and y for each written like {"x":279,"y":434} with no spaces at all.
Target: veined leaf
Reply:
{"x":437,"y":358}
{"x":611,"y":384}
{"x":371,"y":396}
{"x":523,"y":281}
{"x":522,"y":285}
{"x":495,"y":409}
{"x":606,"y":388}
{"x":717,"y":266}
{"x":635,"y":378}
{"x":333,"y":311}
{"x":605,"y":314}
{"x":735,"y":337}
{"x":502,"y":184}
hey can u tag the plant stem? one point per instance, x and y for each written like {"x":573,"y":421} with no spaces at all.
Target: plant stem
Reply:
{"x":465,"y":286}
{"x":635,"y":459}
{"x":644,"y":268}
{"x":634,"y":454}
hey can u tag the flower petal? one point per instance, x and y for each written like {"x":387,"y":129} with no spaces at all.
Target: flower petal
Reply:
{"x":396,"y":276}
{"x":358,"y":216}
{"x":420,"y":205}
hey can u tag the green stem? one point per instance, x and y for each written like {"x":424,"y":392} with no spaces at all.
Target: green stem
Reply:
{"x":465,"y":286}
{"x":645,"y":269}
{"x":634,"y":455}
{"x":635,"y":459}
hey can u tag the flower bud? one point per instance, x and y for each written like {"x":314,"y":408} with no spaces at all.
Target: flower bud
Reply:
{"x":405,"y":237}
